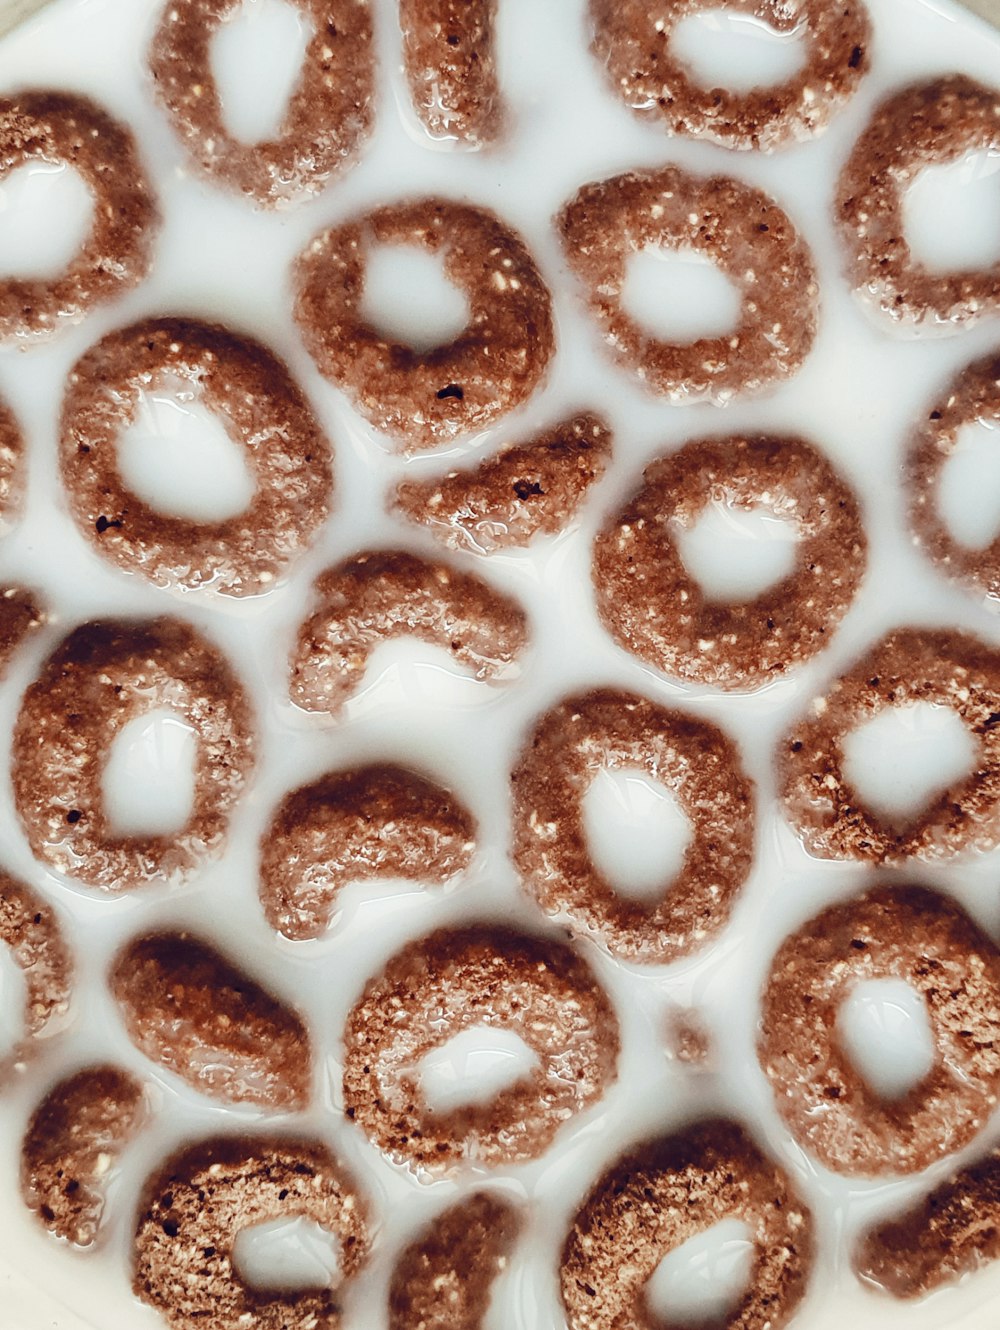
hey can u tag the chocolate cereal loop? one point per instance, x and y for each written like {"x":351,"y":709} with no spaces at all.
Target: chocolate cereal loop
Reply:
{"x":103,"y":675}
{"x":425,"y":398}
{"x":263,"y":411}
{"x":653,"y":607}
{"x":194,"y":1208}
{"x":743,"y":232}
{"x":921,"y":125}
{"x":972,"y":396}
{"x":608,"y":730}
{"x":329,"y":113}
{"x":460,"y":979}
{"x":451,"y":69}
{"x":904,"y":933}
{"x":667,"y":1191}
{"x":632,"y":42}
{"x":33,"y":938}
{"x":911,"y":665}
{"x":61,"y":127}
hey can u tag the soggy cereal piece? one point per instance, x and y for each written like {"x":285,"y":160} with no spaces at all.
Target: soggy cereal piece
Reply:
{"x":460,"y":979}
{"x":451,"y":69}
{"x":667,"y":1191}
{"x":444,"y":1278}
{"x":689,"y":1040}
{"x":910,"y":665}
{"x":904,"y":933}
{"x":607,"y":729}
{"x":30,"y":930}
{"x":20,"y":615}
{"x":526,"y":490}
{"x":924,"y":124}
{"x":973,"y":395}
{"x":384,"y":594}
{"x":743,"y":232}
{"x":12,"y":466}
{"x":651,"y":604}
{"x":426,"y":398}
{"x":191,"y":1011}
{"x":103,"y":675}
{"x":369,"y":822}
{"x":632,"y":43}
{"x":328,"y":117}
{"x":194,"y":1208}
{"x":60,"y":127}
{"x":73,"y":1142}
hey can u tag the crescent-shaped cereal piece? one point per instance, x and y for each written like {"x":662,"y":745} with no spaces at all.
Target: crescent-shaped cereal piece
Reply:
{"x":451,"y":68}
{"x":30,"y":930}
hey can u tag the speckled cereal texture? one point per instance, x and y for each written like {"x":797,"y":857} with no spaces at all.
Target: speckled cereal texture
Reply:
{"x":651,"y":604}
{"x":20,"y":615}
{"x":667,"y":1191}
{"x":451,"y":69}
{"x":329,"y":113}
{"x":431,"y":397}
{"x":30,"y":930}
{"x":743,"y":232}
{"x":62,"y":127}
{"x":12,"y":465}
{"x":632,"y":44}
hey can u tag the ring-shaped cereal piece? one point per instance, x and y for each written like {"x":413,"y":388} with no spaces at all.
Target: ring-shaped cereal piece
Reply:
{"x":911,"y":665}
{"x":904,"y":933}
{"x":667,"y":1191}
{"x":651,"y":604}
{"x":328,"y":116}
{"x":632,"y":42}
{"x":429,"y":397}
{"x":607,"y":729}
{"x":742,"y":231}
{"x":264,"y":412}
{"x":924,"y":124}
{"x":103,"y":675}
{"x":972,"y":396}
{"x":450,"y":64}
{"x":459,"y":979}
{"x":30,"y":931}
{"x":63,"y":127}
{"x":194,"y":1208}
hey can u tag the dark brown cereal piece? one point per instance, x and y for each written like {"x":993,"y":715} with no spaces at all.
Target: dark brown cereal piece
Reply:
{"x":948,"y":1233}
{"x":384,"y":594}
{"x":63,"y":127}
{"x":103,"y":675}
{"x":973,"y":395}
{"x":632,"y":42}
{"x":652,"y":606}
{"x":368,"y":822}
{"x":910,"y":665}
{"x":327,"y":119}
{"x":30,"y":930}
{"x":73,"y":1141}
{"x":190,"y":1010}
{"x":747,"y":236}
{"x":194,"y":1208}
{"x":265,"y":413}
{"x":443,"y":1280}
{"x":459,"y":979}
{"x":920,"y":125}
{"x":609,"y":729}
{"x":667,"y":1191}
{"x":20,"y":615}
{"x":904,"y":933}
{"x":449,"y":62}
{"x":426,"y":398}
{"x":525,"y":490}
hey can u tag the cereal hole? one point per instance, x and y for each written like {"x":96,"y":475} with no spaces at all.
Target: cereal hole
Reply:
{"x":884,"y":1027}
{"x":725,"y":49}
{"x":636,"y":831}
{"x":46,"y":213}
{"x":285,"y":1254}
{"x":148,"y":781}
{"x":951,"y":213}
{"x":700,"y":1282}
{"x":680,"y":295}
{"x":735,"y":552}
{"x":256,"y":58}
{"x":473,"y":1067}
{"x":408,"y":298}
{"x":968,"y":491}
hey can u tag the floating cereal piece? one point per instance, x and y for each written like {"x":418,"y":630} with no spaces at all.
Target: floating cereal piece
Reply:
{"x":20,"y":614}
{"x":64,"y":128}
{"x":31,"y":931}
{"x":198,"y":1203}
{"x":666,"y":1192}
{"x":460,"y":979}
{"x":383,"y":594}
{"x":651,"y":604}
{"x":607,"y":729}
{"x":902,"y":933}
{"x":451,"y":69}
{"x":525,"y":490}
{"x":73,"y":1141}
{"x":327,"y":119}
{"x":195,"y":1014}
{"x":12,"y":465}
{"x":429,"y":397}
